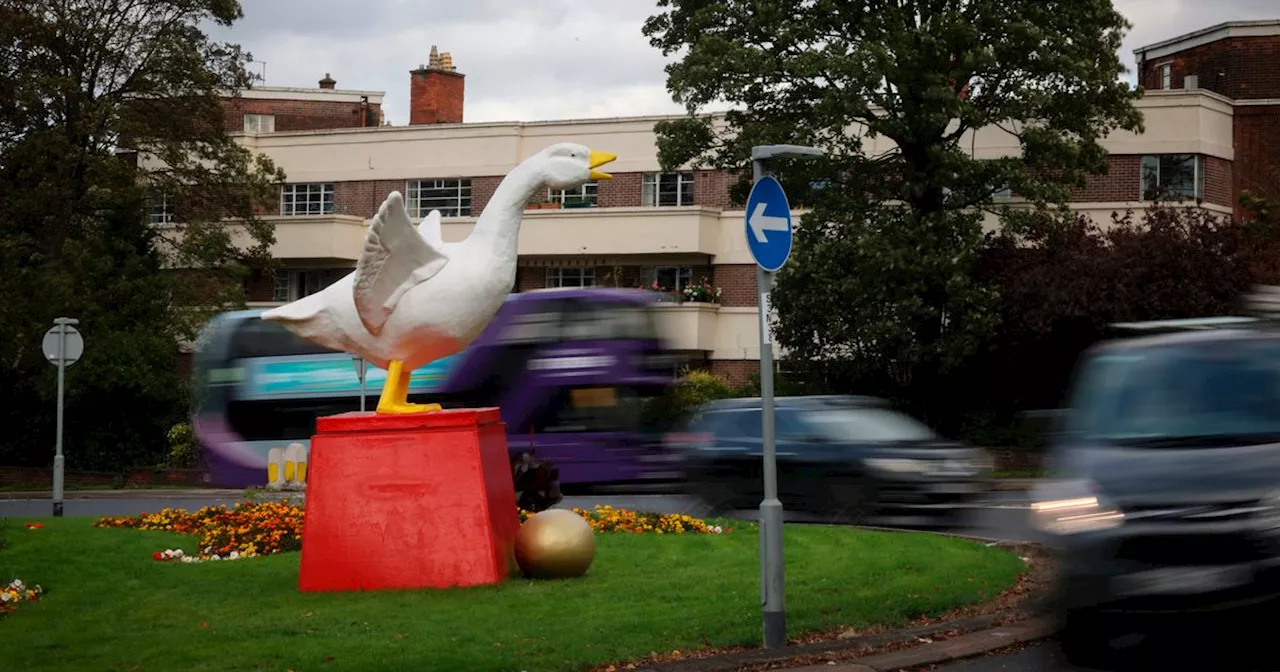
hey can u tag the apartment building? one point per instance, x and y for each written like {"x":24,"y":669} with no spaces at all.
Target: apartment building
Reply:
{"x":1210,"y":109}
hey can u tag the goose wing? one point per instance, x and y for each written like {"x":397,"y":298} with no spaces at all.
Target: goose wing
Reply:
{"x":429,"y":229}
{"x":395,"y":257}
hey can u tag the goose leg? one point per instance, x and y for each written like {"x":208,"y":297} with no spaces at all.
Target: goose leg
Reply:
{"x":395,"y":393}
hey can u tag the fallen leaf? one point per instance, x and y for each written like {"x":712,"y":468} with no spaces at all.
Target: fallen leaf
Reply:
{"x":401,"y":635}
{"x":328,"y":659}
{"x":204,"y":624}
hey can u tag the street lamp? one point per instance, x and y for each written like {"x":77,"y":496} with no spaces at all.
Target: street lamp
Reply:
{"x":771,"y":559}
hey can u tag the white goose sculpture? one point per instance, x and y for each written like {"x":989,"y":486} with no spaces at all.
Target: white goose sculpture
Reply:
{"x":413,"y":298}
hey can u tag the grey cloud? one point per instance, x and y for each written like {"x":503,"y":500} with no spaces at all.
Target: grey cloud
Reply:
{"x":543,"y":59}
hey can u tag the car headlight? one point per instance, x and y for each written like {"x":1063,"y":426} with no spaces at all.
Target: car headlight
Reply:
{"x":1072,"y":509}
{"x":896,"y":465}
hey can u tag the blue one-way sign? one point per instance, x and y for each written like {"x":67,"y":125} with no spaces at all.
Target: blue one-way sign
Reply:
{"x":768,"y":224}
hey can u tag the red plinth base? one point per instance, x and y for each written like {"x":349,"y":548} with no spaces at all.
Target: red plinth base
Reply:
{"x":423,"y":500}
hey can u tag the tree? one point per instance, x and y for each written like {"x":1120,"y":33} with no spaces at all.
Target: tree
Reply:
{"x":881,"y":283}
{"x":113,"y":112}
{"x":1064,"y":279}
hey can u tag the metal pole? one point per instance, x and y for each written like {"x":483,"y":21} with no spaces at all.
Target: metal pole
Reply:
{"x":58,"y":460}
{"x":772,"y":574}
{"x":364,"y":371}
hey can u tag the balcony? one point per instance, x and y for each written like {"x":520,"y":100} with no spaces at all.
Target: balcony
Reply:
{"x":610,"y":231}
{"x":688,"y":326}
{"x":329,"y":237}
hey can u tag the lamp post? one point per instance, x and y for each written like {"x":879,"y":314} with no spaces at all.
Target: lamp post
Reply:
{"x":771,"y":253}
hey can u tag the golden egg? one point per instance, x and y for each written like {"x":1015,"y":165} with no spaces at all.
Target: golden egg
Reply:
{"x":555,"y":544}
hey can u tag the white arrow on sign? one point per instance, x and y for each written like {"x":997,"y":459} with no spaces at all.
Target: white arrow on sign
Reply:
{"x":760,"y":222}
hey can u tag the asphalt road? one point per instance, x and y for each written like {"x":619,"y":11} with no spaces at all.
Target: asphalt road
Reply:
{"x":1002,"y":518}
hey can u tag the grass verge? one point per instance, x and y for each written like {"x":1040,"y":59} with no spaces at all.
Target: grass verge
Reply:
{"x":109,"y":606}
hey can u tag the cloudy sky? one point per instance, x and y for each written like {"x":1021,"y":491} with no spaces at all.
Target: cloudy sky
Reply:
{"x":547,"y":59}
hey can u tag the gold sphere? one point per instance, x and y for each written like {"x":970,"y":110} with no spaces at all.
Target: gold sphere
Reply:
{"x":555,"y":544}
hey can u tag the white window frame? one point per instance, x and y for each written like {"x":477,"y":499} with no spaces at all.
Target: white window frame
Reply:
{"x":450,"y":195}
{"x":653,"y":189}
{"x":259,"y":123}
{"x":1197,"y":176}
{"x":1166,"y":75}
{"x":588,"y":192}
{"x":585,"y":276}
{"x":292,"y":284}
{"x":319,"y":194}
{"x":160,"y":208}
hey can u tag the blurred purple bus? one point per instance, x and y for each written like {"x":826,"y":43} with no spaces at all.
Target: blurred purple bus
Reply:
{"x":568,"y":368}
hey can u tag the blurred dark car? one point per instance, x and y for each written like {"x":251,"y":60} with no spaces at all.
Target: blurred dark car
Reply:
{"x":854,"y":457}
{"x":1167,"y":491}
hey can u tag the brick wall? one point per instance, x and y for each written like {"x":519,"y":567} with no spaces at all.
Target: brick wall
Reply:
{"x":435,"y":97}
{"x":1243,"y":68}
{"x":1122,"y":182}
{"x":1257,"y":145}
{"x":738,"y":284}
{"x":530,"y":277}
{"x":1219,"y":185}
{"x":623,"y":191}
{"x":260,"y":286}
{"x":711,"y":188}
{"x":301,"y":115}
{"x":735,"y":370}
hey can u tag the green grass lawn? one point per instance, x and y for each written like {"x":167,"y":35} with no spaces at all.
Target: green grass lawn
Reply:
{"x":109,"y":606}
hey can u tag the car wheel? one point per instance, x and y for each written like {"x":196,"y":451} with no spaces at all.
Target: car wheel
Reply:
{"x":1085,"y":639}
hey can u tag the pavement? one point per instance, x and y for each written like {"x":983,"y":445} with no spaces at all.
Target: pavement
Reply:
{"x":955,"y":648}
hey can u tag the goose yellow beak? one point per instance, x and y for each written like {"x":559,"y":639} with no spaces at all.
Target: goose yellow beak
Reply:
{"x":597,"y":159}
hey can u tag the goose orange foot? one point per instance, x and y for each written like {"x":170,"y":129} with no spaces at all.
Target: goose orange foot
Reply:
{"x":395,"y":392}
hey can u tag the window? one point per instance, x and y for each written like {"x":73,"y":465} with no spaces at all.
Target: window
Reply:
{"x":306,"y":199}
{"x":586,"y":196}
{"x":259,"y":123}
{"x":580,"y":276}
{"x":1199,"y":395}
{"x":1172,"y":176}
{"x":292,"y":284}
{"x":451,"y":196}
{"x":160,"y":209}
{"x":667,"y":189}
{"x":673,"y":278}
{"x":869,"y":424}
{"x":1166,"y":76}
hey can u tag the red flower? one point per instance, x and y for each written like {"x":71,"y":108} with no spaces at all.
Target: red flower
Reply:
{"x":34,"y":526}
{"x":158,"y":555}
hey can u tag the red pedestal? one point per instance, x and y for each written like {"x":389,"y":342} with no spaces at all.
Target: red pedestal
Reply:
{"x":423,"y":500}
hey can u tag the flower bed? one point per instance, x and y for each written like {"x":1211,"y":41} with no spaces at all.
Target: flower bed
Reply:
{"x":16,"y":593}
{"x":251,"y":529}
{"x":248,"y":529}
{"x":604,"y":518}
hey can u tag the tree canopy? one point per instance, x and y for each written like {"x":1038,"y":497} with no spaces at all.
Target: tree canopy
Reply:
{"x":115,"y":171}
{"x":882,"y":288}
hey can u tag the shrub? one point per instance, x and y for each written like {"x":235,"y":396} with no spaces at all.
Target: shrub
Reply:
{"x":182,"y":447}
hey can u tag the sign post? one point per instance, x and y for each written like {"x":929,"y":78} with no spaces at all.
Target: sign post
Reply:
{"x":362,"y":368}
{"x":62,"y":346}
{"x":769,"y":237}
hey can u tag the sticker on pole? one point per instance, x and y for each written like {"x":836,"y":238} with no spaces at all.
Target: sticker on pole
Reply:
{"x":71,"y":351}
{"x":768,"y":221}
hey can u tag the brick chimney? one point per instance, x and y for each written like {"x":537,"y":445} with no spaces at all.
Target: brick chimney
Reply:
{"x":435,"y":91}
{"x":328,"y":82}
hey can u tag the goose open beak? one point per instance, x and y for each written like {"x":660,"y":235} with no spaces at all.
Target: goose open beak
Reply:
{"x":597,"y":159}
